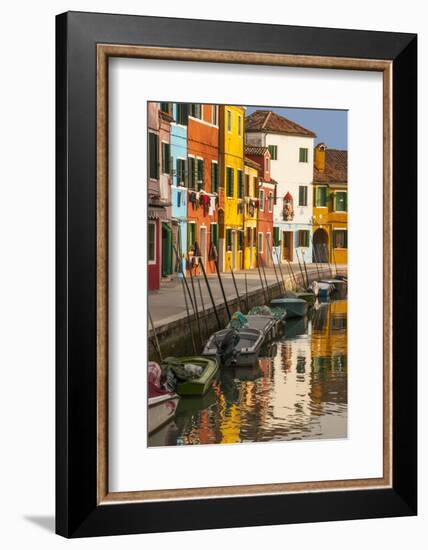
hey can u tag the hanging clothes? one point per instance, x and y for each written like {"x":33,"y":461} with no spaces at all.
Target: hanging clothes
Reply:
{"x":212,"y":206}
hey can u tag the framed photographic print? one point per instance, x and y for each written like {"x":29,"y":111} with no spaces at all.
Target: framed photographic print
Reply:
{"x":236,"y":274}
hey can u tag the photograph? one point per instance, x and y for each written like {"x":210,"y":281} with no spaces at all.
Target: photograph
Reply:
{"x":247,"y":273}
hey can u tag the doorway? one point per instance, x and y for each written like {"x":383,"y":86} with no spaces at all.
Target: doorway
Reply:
{"x":203,"y":244}
{"x":320,"y":246}
{"x":287,"y":246}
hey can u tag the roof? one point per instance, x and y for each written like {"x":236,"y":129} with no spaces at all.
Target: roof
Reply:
{"x":271,"y":122}
{"x":251,"y":163}
{"x":256,"y":150}
{"x":336,"y":167}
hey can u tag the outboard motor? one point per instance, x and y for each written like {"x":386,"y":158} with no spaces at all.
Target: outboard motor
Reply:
{"x":226,"y":352}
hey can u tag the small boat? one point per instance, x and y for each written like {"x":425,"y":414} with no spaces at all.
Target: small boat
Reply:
{"x":162,"y":404}
{"x":235,"y":347}
{"x":265,"y":323}
{"x":307,"y":296}
{"x":194,"y":374}
{"x":295,"y":307}
{"x":278,"y":313}
{"x":322,"y":289}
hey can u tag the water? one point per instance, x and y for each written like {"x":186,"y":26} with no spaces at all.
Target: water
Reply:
{"x":296,"y":391}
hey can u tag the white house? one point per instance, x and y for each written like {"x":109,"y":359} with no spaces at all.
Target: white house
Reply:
{"x":292,"y":148}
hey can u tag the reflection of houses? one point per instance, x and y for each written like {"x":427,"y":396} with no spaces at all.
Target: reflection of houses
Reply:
{"x":231,"y":149}
{"x":266,"y":200}
{"x":203,"y":182}
{"x":330,"y":221}
{"x":250,"y":213}
{"x":159,"y":196}
{"x":291,"y":150}
{"x":329,"y":335}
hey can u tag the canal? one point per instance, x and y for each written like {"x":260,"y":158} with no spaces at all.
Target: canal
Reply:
{"x":296,"y":391}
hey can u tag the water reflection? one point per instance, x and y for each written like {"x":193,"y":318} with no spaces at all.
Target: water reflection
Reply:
{"x":298,"y":390}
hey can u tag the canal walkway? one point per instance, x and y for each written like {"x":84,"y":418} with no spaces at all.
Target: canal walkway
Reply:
{"x":168,"y":309}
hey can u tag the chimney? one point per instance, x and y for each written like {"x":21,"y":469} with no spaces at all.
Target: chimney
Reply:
{"x":320,"y":156}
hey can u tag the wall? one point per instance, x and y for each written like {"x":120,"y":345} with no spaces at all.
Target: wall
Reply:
{"x":27,"y":278}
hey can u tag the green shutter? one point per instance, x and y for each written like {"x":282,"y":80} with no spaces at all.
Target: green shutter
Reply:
{"x":240,"y":184}
{"x":229,"y":176}
{"x":200,"y":174}
{"x":276,"y":236}
{"x":214,"y":177}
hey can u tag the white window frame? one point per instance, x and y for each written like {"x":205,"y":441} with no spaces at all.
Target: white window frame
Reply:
{"x":214,"y":115}
{"x":270,"y":202}
{"x":233,"y":175}
{"x":152,"y":262}
{"x":315,"y":195}
{"x":307,"y":196}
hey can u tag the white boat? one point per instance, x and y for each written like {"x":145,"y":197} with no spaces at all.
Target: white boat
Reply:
{"x":265,"y":323}
{"x":161,"y":410}
{"x":322,"y":289}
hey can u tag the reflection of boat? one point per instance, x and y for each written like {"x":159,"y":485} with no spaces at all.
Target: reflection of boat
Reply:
{"x":194,"y":374}
{"x":166,"y":435}
{"x":295,"y":327}
{"x":192,"y":405}
{"x":295,"y":307}
{"x":248,"y":373}
{"x":322,"y":289}
{"x":162,"y":404}
{"x":232,"y":346}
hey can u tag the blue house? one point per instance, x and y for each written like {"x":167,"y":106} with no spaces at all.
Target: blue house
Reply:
{"x":178,"y":153}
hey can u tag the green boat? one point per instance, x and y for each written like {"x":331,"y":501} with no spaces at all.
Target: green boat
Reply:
{"x":194,"y":374}
{"x":307,"y":296}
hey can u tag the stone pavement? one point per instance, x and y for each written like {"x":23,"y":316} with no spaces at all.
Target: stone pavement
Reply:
{"x":167,"y":305}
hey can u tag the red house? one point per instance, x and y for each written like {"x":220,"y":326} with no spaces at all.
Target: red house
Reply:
{"x":203,"y":185}
{"x":266,"y":201}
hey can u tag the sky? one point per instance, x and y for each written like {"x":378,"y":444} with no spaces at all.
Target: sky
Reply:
{"x":330,"y":126}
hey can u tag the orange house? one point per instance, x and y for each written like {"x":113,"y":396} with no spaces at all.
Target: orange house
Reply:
{"x":203,"y":186}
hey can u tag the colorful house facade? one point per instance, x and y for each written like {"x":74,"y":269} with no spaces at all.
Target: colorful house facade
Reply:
{"x":330,"y":210}
{"x":203,"y":184}
{"x":231,"y":151}
{"x":291,"y":149}
{"x":179,"y":182}
{"x":159,"y":195}
{"x":251,"y":175}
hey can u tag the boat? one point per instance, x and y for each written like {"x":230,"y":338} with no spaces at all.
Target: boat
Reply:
{"x":295,"y":307}
{"x":194,"y":374}
{"x":162,"y":404}
{"x":235,"y":347}
{"x":278,"y":313}
{"x":322,"y":289}
{"x":307,"y":296}
{"x":265,"y":323}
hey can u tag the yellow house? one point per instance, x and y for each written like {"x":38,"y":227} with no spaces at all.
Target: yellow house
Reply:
{"x":251,"y":173}
{"x":330,"y":208}
{"x":231,"y":161}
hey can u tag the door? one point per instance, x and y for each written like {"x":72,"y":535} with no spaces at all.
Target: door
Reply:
{"x":320,"y":246}
{"x":287,"y":245}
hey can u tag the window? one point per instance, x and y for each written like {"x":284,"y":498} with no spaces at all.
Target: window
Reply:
{"x":261,"y":200}
{"x":166,"y":158}
{"x":321,"y":196}
{"x":181,"y":172}
{"x":182,"y":113}
{"x":303,"y":195}
{"x":340,"y":203}
{"x":151,"y":245}
{"x":276,"y":236}
{"x":191,"y":235}
{"x":192,"y":173}
{"x":255,"y":184}
{"x":270,"y":202}
{"x":214,"y":177}
{"x":247,"y":185}
{"x":340,"y":238}
{"x":260,"y":242}
{"x":303,"y":154}
{"x":200,"y":173}
{"x":249,"y":235}
{"x":178,"y":199}
{"x":240,"y":184}
{"x":228,"y":240}
{"x":229,"y":182}
{"x":214,"y":235}
{"x":165,"y":107}
{"x":240,"y":240}
{"x":229,"y":121}
{"x":267,"y":164}
{"x":239,"y":125}
{"x":196,"y":110}
{"x":153,"y":156}
{"x":303,"y":238}
{"x":273,"y":150}
{"x":214,"y":114}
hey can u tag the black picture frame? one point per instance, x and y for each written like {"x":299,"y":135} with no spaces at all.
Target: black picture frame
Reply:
{"x":77,"y":512}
